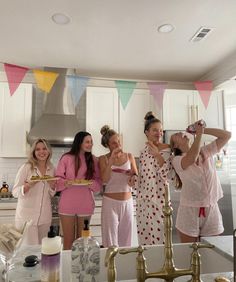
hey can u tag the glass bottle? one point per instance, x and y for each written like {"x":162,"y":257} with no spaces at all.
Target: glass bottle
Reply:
{"x":85,"y":256}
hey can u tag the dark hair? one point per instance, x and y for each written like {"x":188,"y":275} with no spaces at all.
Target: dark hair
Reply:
{"x":75,"y":150}
{"x":107,"y":133}
{"x":176,"y":152}
{"x":149,"y":120}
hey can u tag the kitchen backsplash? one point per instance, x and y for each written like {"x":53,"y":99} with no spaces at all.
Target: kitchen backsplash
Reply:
{"x":10,"y":166}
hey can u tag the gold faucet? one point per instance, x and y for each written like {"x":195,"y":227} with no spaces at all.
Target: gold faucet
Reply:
{"x":168,"y":272}
{"x":110,"y":263}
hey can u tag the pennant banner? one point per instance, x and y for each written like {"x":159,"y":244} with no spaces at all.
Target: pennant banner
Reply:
{"x":77,"y":85}
{"x":15,"y":75}
{"x":125,"y":90}
{"x":45,"y":80}
{"x":205,"y":90}
{"x":157,"y":90}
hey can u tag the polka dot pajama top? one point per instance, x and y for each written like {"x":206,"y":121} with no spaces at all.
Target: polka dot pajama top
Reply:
{"x":150,"y":197}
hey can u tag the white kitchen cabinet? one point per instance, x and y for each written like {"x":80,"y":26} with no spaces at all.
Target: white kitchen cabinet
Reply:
{"x":104,"y":107}
{"x":15,"y":119}
{"x":183,"y":107}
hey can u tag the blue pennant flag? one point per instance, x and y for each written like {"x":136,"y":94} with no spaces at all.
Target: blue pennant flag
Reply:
{"x":77,"y":85}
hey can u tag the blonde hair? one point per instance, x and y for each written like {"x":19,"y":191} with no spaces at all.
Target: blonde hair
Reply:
{"x":32,"y":158}
{"x":107,"y":133}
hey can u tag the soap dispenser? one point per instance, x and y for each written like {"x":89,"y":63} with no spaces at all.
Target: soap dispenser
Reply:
{"x":85,"y":257}
{"x":50,"y":257}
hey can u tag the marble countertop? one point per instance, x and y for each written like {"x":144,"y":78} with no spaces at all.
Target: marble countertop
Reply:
{"x":32,"y":274}
{"x":223,"y":245}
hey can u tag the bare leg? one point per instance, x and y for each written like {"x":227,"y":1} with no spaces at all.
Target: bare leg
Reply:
{"x":68,"y":227}
{"x":187,"y":239}
{"x":80,"y":224}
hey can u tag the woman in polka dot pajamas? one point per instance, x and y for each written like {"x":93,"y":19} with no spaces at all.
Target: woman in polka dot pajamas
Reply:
{"x":154,"y":165}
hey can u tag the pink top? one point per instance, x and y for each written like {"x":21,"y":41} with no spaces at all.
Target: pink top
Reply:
{"x":76,"y":199}
{"x":118,"y":181}
{"x":200,"y":183}
{"x":34,"y":205}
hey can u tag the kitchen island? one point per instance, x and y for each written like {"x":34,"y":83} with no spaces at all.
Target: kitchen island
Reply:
{"x":213,"y":264}
{"x":223,"y":245}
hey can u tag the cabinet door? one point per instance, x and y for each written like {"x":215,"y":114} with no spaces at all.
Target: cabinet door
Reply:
{"x":177,"y":109}
{"x":132,"y":121}
{"x":101,"y":109}
{"x":15,"y":119}
{"x":213,"y":115}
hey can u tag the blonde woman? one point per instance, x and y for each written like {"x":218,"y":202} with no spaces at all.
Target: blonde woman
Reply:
{"x":34,"y":198}
{"x":118,"y":171}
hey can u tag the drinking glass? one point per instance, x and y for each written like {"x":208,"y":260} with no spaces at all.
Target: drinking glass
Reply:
{"x":10,"y":247}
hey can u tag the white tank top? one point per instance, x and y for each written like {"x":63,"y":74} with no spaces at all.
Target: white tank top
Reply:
{"x":118,"y":181}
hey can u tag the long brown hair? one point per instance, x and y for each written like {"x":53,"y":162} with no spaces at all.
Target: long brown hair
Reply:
{"x":75,"y":150}
{"x":176,"y":152}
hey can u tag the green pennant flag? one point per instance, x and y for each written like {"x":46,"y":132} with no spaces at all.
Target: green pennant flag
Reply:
{"x":125,"y":90}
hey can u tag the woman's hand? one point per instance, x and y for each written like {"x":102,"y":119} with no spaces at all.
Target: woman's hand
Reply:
{"x":52,"y":184}
{"x":131,"y":180}
{"x":152,"y":148}
{"x":115,"y":154}
{"x":27,"y":186}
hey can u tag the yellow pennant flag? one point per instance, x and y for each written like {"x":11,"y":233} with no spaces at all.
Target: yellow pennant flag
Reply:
{"x":45,"y":80}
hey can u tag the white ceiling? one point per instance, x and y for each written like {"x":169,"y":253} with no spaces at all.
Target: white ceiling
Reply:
{"x":109,"y":38}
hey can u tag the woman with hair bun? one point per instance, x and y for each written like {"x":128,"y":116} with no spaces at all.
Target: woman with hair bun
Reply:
{"x":118,"y":170}
{"x":154,"y":166}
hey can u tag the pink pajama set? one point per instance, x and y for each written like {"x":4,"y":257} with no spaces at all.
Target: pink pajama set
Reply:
{"x":117,"y":215}
{"x":198,"y":213}
{"x":76,"y":200}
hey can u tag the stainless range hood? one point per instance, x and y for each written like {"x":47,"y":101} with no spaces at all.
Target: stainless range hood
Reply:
{"x":58,"y":123}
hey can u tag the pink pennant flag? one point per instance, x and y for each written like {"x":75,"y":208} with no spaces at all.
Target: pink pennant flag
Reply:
{"x":157,"y":90}
{"x":205,"y":90}
{"x":15,"y":75}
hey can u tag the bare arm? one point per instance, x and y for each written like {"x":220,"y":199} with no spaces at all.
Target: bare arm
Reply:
{"x":133,"y":172}
{"x":105,"y":169}
{"x":223,"y":136}
{"x":193,"y":153}
{"x":105,"y":166}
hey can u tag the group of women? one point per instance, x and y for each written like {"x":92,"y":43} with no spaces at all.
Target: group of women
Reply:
{"x":183,"y":161}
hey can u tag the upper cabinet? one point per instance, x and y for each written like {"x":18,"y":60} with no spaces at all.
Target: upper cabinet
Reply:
{"x":104,"y":107}
{"x":183,"y":107}
{"x":15,"y":119}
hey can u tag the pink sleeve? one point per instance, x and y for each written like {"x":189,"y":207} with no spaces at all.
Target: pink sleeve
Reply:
{"x":61,"y":173}
{"x":209,"y":150}
{"x":97,"y":183}
{"x":176,"y":162}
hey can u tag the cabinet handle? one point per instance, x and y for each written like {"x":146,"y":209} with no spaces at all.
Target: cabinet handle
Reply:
{"x":189,"y":114}
{"x":197,"y":112}
{"x":192,"y":114}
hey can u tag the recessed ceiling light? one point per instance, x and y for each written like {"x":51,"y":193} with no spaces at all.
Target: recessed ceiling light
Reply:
{"x":59,"y":18}
{"x":165,"y":28}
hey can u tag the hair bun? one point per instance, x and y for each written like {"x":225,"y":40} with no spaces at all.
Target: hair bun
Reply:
{"x":105,"y":129}
{"x":149,"y":115}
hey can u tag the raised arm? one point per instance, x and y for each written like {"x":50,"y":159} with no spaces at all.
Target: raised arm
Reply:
{"x":223,"y":136}
{"x":193,"y":153}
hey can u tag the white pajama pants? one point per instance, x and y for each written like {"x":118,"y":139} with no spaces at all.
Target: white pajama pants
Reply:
{"x":117,"y":222}
{"x":34,"y":233}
